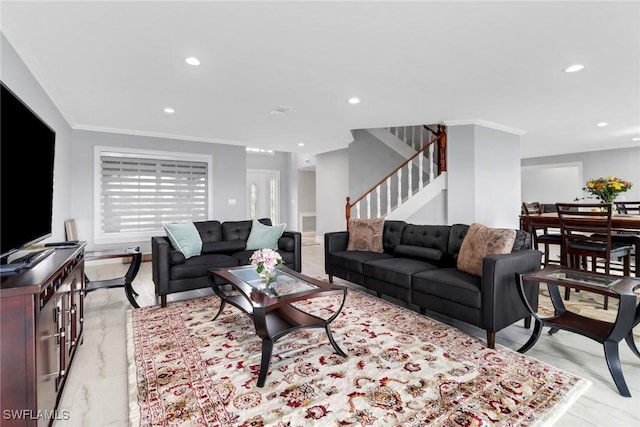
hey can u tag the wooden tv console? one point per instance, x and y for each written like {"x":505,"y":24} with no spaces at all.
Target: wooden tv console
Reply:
{"x":41,"y":316}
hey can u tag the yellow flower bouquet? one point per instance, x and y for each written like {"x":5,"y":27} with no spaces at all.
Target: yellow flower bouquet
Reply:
{"x":607,"y":189}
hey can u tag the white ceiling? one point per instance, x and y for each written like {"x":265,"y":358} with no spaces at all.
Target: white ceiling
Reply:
{"x":115,"y":65}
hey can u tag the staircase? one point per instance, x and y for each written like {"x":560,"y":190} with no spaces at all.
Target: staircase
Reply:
{"x":412,"y":184}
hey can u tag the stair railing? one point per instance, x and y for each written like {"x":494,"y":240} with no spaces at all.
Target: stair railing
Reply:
{"x":434,"y":152}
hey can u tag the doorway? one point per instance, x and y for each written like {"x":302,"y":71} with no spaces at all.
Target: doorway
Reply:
{"x":263,"y":194}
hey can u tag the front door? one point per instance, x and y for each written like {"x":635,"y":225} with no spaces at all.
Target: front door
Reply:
{"x":263,"y":192}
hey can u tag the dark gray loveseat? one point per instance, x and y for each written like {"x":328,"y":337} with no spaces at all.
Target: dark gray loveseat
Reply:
{"x":418,"y":266}
{"x":223,"y":245}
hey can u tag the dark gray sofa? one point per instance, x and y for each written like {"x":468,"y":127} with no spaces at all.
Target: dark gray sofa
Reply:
{"x":418,"y":266}
{"x":223,"y":245}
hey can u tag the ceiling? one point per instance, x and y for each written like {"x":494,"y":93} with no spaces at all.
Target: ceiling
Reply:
{"x":115,"y":65}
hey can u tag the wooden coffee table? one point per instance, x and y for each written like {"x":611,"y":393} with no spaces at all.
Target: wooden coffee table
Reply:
{"x":609,"y":334}
{"x":270,"y":304}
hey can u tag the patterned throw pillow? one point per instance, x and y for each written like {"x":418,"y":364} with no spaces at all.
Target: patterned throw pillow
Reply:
{"x":365,"y":234}
{"x":481,"y":241}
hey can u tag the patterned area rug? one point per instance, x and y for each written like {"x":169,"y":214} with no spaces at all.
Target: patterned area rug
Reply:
{"x":402,"y":369}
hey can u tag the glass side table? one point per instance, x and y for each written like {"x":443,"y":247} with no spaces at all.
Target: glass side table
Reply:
{"x":607,"y":333}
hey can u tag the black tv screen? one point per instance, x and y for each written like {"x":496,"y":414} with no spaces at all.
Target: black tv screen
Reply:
{"x":27,"y":149}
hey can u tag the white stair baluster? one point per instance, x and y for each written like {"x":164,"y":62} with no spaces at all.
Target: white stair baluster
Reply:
{"x":388,"y":196}
{"x":358,"y":210}
{"x":420,"y":168}
{"x":410,"y":179}
{"x":431,"y":172}
{"x":369,"y":205}
{"x":378,"y":200}
{"x":399,"y":187}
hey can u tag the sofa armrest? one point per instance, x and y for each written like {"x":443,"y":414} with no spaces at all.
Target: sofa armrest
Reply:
{"x":160,"y":264}
{"x":334,"y":242}
{"x":297,"y":248}
{"x":500,"y":300}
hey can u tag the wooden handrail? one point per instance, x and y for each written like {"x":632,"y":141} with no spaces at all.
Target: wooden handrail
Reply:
{"x":440,"y":137}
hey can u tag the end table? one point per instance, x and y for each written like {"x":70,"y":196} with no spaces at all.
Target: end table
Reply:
{"x":607,"y":333}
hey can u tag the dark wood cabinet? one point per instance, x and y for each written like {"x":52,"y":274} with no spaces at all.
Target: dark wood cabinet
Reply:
{"x":41,"y":316}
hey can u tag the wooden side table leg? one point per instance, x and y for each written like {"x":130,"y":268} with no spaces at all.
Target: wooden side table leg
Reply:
{"x":267,"y":349}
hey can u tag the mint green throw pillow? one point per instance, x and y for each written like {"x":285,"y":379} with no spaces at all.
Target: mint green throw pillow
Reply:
{"x":264,"y":236}
{"x":184,"y":237}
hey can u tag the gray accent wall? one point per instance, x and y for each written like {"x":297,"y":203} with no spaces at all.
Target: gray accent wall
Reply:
{"x":623,"y":163}
{"x":370,"y":160}
{"x":332,"y":184}
{"x":17,"y":77}
{"x":228,"y":180}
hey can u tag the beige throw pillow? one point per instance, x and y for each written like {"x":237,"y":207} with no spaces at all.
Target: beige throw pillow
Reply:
{"x":481,"y":241}
{"x":365,"y":234}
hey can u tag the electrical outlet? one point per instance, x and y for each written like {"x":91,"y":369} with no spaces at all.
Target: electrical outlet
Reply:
{"x":232,"y":201}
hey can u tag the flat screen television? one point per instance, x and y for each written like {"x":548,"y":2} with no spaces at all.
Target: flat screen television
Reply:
{"x":27,"y":150}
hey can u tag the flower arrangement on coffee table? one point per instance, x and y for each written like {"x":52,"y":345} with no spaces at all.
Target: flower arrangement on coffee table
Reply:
{"x":266,"y":260}
{"x":607,"y":189}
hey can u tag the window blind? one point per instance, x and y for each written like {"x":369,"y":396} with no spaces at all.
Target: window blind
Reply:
{"x":139,"y":194}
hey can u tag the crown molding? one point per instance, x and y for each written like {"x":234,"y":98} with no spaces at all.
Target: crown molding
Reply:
{"x":157,"y":135}
{"x":487,"y":124}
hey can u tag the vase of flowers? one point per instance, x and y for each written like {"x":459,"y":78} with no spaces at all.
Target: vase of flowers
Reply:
{"x":606,"y":189}
{"x":265,"y":261}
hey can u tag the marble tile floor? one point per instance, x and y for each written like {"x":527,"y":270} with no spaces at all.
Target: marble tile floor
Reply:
{"x":96,"y":391}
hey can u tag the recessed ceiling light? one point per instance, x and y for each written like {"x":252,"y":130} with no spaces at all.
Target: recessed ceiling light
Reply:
{"x":354,"y":100}
{"x":573,"y":68}
{"x":602,"y":124}
{"x":192,"y":60}
{"x":635,"y":139}
{"x":300,"y":144}
{"x":169,"y":110}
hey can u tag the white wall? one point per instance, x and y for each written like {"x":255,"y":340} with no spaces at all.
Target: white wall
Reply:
{"x":332,"y":186}
{"x":18,"y":78}
{"x":483,"y":168}
{"x":556,"y":182}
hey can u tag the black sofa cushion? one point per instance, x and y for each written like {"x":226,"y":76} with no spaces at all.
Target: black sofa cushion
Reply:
{"x":392,"y":234}
{"x":417,"y":252}
{"x":354,"y":260}
{"x":210,"y":231}
{"x":396,"y":271}
{"x":200,"y":265}
{"x":427,"y":236}
{"x":224,"y":246}
{"x":450,"y":284}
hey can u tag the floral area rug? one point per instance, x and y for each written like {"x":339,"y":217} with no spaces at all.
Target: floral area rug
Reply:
{"x":402,"y":369}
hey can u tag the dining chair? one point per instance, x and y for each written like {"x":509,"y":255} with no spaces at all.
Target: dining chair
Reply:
{"x":630,"y":237}
{"x":541,"y":235}
{"x":587,"y":235}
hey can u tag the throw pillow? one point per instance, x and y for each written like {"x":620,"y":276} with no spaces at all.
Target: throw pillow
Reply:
{"x":366,"y":235}
{"x":184,"y":237}
{"x":264,"y":236}
{"x":480,"y":242}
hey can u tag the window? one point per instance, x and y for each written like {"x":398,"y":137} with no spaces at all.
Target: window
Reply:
{"x":138,"y":191}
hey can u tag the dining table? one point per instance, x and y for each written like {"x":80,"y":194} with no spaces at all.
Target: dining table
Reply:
{"x":628,"y":223}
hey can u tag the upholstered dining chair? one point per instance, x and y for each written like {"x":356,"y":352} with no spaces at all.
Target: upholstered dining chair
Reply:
{"x":541,"y":235}
{"x":586,"y":235}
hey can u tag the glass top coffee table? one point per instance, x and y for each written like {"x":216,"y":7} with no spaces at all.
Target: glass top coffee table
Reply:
{"x":269,"y":304}
{"x":609,"y":334}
